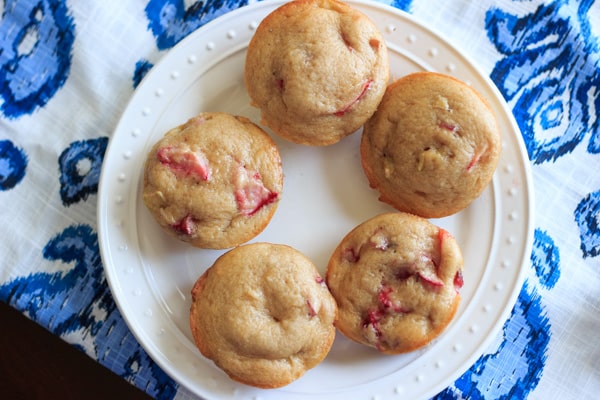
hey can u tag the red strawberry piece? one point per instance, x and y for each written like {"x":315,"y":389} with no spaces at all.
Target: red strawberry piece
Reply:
{"x":351,"y":255}
{"x":372,"y":319}
{"x":477,"y":157}
{"x":449,"y":126}
{"x":250,"y":192}
{"x":442,"y":235}
{"x":374,"y":43}
{"x":280,"y":84}
{"x":384,"y":296}
{"x":387,"y":302}
{"x":311,"y":310}
{"x":458,"y":280}
{"x":429,"y":276}
{"x":427,"y":271}
{"x":185,"y":162}
{"x":474,"y":161}
{"x":186,"y":226}
{"x":363,"y":91}
{"x":319,"y":280}
{"x":372,"y":322}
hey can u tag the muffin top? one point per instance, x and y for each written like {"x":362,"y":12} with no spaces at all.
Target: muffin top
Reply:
{"x":432,"y":146}
{"x":263,"y":314}
{"x":317,"y":70}
{"x":396,"y":280}
{"x":215,"y":181}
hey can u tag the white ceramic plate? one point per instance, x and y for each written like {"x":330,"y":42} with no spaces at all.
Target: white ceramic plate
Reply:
{"x":325,"y":195}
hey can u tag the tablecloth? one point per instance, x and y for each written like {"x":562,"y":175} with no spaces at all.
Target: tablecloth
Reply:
{"x":68,"y":68}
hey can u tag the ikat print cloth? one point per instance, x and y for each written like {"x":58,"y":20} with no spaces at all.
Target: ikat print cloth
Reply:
{"x":68,"y":68}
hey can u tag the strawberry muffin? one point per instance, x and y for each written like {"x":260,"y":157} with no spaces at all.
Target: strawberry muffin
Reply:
{"x":214,"y":181}
{"x":432,"y":146}
{"x":317,"y":70}
{"x":267,"y":329}
{"x":396,"y":280}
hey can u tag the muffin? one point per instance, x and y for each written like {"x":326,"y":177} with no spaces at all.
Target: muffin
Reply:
{"x":316,"y":69}
{"x":396,"y":281}
{"x":214,"y":181}
{"x":432,"y":146}
{"x":263,"y":314}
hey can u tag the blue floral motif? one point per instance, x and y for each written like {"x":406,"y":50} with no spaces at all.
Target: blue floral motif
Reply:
{"x":525,"y":338}
{"x":142,"y":67}
{"x":80,"y":166}
{"x":13,"y":165}
{"x":545,"y":258}
{"x":550,"y":75}
{"x":170,"y":20}
{"x":47,"y":298}
{"x":586,"y":216}
{"x":35,"y":53}
{"x":402,"y":4}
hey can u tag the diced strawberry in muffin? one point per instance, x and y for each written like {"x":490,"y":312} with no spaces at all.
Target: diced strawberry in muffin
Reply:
{"x":442,"y":235}
{"x":458,"y":280}
{"x":250,"y":192}
{"x":387,"y":302}
{"x":449,"y":126}
{"x":311,"y":309}
{"x":186,"y":226}
{"x":372,"y":319}
{"x":280,"y":84}
{"x":351,"y":255}
{"x":362,"y":93}
{"x":185,"y":162}
{"x":474,"y":161}
{"x":430,"y":277}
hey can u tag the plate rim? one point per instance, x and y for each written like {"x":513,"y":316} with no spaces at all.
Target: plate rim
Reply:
{"x":114,"y":284}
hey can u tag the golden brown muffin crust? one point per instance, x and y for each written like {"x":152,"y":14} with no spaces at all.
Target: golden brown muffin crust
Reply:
{"x":432,"y":146}
{"x":215,"y":181}
{"x":317,"y":70}
{"x":263,"y":314}
{"x":395,"y":278}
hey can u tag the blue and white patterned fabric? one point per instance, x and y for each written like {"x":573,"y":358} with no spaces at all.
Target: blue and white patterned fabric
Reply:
{"x":67,"y":70}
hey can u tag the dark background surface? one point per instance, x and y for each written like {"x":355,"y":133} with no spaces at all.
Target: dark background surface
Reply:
{"x":34,"y":364}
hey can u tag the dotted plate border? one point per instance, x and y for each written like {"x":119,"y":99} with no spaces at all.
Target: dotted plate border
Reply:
{"x":149,"y":317}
